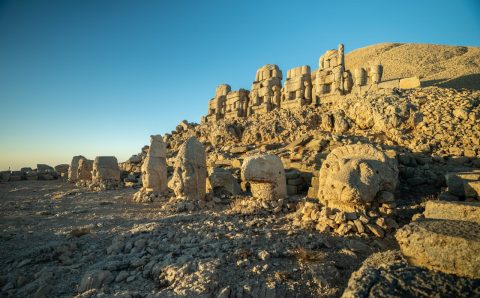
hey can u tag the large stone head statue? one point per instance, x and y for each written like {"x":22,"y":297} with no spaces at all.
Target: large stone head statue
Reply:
{"x":352,"y":176}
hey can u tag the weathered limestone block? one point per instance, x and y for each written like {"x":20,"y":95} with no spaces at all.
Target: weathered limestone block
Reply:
{"x":190,"y":173}
{"x":84,"y":171}
{"x":62,"y":169}
{"x":46,"y":172}
{"x":17,"y":176}
{"x":266,"y":176}
{"x":154,"y":167}
{"x":387,"y":274}
{"x":353,"y":175}
{"x":409,"y":83}
{"x":472,"y":189}
{"x":467,"y":211}
{"x":456,"y":181}
{"x":105,"y":173}
{"x":5,"y":176}
{"x":449,"y":246}
{"x":222,"y":180}
{"x":73,"y":169}
{"x":43,"y":168}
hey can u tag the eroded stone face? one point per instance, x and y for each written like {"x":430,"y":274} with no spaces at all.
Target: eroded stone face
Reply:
{"x":266,"y":176}
{"x":84,"y":171}
{"x":154,"y":167}
{"x":353,"y":175}
{"x":190,"y":173}
{"x":105,"y":168}
{"x":73,"y":169}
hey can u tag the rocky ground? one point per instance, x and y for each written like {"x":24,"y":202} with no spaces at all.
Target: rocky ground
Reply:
{"x":59,"y":240}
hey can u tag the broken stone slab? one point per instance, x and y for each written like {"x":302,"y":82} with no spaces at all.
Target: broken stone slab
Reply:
{"x":455,"y":181}
{"x":301,"y":141}
{"x":466,"y":211}
{"x":221,"y":179}
{"x":409,"y":83}
{"x":449,"y":246}
{"x":472,"y":189}
{"x":387,"y":274}
{"x":239,"y":149}
{"x":234,"y":163}
{"x":62,"y":169}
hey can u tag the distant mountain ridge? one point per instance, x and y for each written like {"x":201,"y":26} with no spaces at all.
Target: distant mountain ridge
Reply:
{"x":436,"y":65}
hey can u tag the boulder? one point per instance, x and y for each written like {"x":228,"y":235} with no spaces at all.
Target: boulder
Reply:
{"x":266,"y":176}
{"x":16,"y":176}
{"x":190,"y":171}
{"x":5,"y":176}
{"x":46,"y":172}
{"x":388,"y":274}
{"x":43,"y":168}
{"x":449,"y":246}
{"x":221,"y":180}
{"x":352,"y":176}
{"x":456,"y":181}
{"x":62,"y":169}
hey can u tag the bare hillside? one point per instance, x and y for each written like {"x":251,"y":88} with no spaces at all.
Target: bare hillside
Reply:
{"x":444,"y":66}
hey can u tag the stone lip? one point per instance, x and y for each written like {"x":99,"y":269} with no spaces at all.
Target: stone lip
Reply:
{"x":465,"y":211}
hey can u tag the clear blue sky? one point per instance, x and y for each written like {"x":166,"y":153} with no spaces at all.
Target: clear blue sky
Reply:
{"x":97,"y":77}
